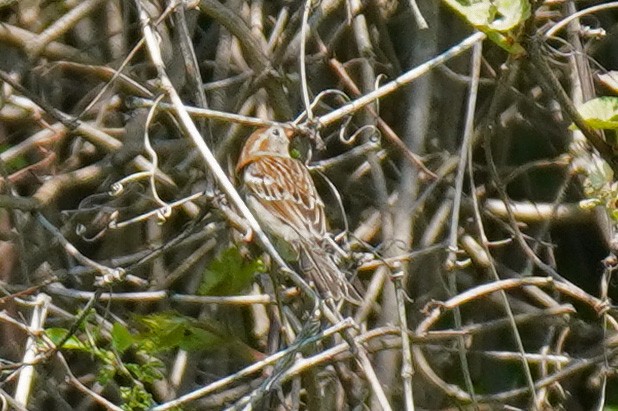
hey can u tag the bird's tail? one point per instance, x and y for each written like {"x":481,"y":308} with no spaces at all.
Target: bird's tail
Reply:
{"x":320,"y":268}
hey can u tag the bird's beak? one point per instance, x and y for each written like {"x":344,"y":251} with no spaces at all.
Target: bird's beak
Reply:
{"x":289,"y":133}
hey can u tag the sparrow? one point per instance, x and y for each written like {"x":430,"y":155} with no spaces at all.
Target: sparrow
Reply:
{"x":281,"y":193}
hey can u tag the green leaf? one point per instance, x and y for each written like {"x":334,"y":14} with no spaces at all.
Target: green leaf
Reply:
{"x":229,"y":274}
{"x":148,"y":372}
{"x":195,"y":339}
{"x":106,"y":374}
{"x":136,"y":398}
{"x":496,"y":18}
{"x":600,"y":113}
{"x":57,"y":335}
{"x":496,"y":15}
{"x":510,"y":14}
{"x":121,"y":337}
{"x":172,"y":330}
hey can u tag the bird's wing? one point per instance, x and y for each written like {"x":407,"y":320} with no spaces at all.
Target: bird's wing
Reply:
{"x":284,"y":187}
{"x":285,"y":190}
{"x":325,"y":274}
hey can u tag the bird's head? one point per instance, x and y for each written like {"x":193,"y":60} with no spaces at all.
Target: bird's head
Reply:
{"x":271,"y":141}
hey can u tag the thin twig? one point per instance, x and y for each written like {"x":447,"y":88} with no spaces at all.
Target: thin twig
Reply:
{"x":74,"y":252}
{"x":407,"y":368}
{"x":256,"y":58}
{"x":400,"y":81}
{"x":418,"y":16}
{"x":62,"y":25}
{"x":26,"y":375}
{"x":207,"y":113}
{"x":465,"y":152}
{"x":565,"y":22}
{"x":223,"y":382}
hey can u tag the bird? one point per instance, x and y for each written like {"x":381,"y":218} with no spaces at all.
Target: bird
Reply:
{"x":281,"y":193}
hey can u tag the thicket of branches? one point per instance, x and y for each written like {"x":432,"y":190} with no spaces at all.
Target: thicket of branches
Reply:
{"x":132,"y":278}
